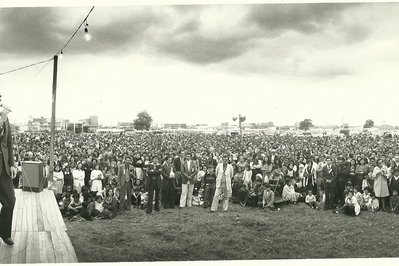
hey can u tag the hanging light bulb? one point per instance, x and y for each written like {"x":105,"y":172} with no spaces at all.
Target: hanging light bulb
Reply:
{"x":87,"y":34}
{"x":61,"y":55}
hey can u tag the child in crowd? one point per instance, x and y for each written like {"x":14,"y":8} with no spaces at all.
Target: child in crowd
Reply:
{"x":200,"y":175}
{"x":310,"y":200}
{"x":289,"y":192}
{"x":374,"y":203}
{"x":144,"y":200}
{"x":394,"y":200}
{"x":110,"y":205}
{"x":75,"y":206}
{"x":136,"y":197}
{"x":256,"y":192}
{"x":98,"y":207}
{"x":66,"y":200}
{"x":196,"y":198}
{"x":366,"y":199}
{"x":268,"y":198}
{"x":358,"y":195}
{"x":351,"y":206}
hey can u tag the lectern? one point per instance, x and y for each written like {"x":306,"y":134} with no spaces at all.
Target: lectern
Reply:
{"x":33,"y":176}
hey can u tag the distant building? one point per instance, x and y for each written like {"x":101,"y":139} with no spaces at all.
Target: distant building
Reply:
{"x":89,"y":124}
{"x":175,"y":126}
{"x":126,"y":125}
{"x":44,"y":124}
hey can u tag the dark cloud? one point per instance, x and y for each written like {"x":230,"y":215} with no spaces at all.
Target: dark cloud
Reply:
{"x":38,"y":31}
{"x":204,"y":50}
{"x":29,"y":31}
{"x":356,"y":33}
{"x":304,"y":18}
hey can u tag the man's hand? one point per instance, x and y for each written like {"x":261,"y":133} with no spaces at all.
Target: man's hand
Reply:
{"x":13,"y":171}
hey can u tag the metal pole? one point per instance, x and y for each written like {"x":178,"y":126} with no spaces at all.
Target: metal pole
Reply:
{"x":239,"y":124}
{"x":52,"y":134}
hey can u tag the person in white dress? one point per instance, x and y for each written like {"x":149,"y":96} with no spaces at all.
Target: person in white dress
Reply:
{"x":96,"y":178}
{"x":78,"y":177}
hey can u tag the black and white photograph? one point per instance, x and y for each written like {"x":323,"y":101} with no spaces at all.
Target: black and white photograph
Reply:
{"x":198,"y":132}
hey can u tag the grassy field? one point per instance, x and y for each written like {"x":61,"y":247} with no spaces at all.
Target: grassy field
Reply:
{"x":293,"y":232}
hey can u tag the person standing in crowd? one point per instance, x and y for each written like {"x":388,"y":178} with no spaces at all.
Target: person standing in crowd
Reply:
{"x":361,"y":173}
{"x":341,"y":180}
{"x":68,"y":179}
{"x":78,"y":177}
{"x":189,"y":173}
{"x":96,"y":178}
{"x":154,"y":172}
{"x":168,"y":190}
{"x":224,"y":174}
{"x":380,"y":175}
{"x":58,"y":180}
{"x":138,"y":164}
{"x":87,"y":168}
{"x":125,"y":184}
{"x":209,"y":186}
{"x":329,"y":175}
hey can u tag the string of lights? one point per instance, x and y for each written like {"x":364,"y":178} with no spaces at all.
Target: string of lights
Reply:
{"x":60,"y":53}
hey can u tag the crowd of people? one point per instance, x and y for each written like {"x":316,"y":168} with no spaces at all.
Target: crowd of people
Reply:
{"x":98,"y":176}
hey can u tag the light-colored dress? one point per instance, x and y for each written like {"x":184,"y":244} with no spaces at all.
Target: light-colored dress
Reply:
{"x":380,"y":181}
{"x":290,"y":194}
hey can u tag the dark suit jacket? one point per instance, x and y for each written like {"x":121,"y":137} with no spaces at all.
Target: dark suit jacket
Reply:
{"x":7,"y":148}
{"x":177,"y":164}
{"x":165,"y":170}
{"x":330,"y":175}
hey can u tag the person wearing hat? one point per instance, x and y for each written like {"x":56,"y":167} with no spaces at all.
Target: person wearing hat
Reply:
{"x":224,"y":174}
{"x":154,"y":184}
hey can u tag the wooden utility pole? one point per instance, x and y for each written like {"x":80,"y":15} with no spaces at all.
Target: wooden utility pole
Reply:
{"x":52,"y":134}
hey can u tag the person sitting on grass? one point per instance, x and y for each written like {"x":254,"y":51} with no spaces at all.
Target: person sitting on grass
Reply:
{"x":136,"y":197}
{"x":366,"y":199}
{"x":66,"y":200}
{"x":394,"y":201}
{"x":255,"y":196}
{"x":75,"y":206}
{"x":358,"y":195}
{"x":310,"y":200}
{"x":98,"y":207}
{"x":110,"y":205}
{"x":289,"y":193}
{"x":268,"y":198}
{"x":351,"y":207}
{"x":374,"y":205}
{"x":87,"y":207}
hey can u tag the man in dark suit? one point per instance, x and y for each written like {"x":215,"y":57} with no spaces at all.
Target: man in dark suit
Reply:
{"x":168,"y":189}
{"x":7,"y":171}
{"x":329,"y":175}
{"x":125,"y":172}
{"x":154,"y":184}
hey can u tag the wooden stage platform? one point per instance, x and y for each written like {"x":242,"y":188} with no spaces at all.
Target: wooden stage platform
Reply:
{"x":38,"y":231}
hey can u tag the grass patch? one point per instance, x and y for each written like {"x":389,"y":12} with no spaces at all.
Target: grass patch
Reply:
{"x":294,"y":232}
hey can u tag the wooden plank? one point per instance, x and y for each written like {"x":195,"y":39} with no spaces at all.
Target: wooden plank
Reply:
{"x":3,"y":252}
{"x":52,"y":212}
{"x":57,"y":247}
{"x":29,"y":210}
{"x":19,"y":210}
{"x":49,"y":248}
{"x":71,"y":255}
{"x":39,"y":214}
{"x":34,"y":213}
{"x":23,"y":247}
{"x":44,"y":207}
{"x":16,"y":249}
{"x":43,"y":247}
{"x":33,"y":248}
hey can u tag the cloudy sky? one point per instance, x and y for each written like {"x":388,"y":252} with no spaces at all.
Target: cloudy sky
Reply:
{"x":332,"y":63}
